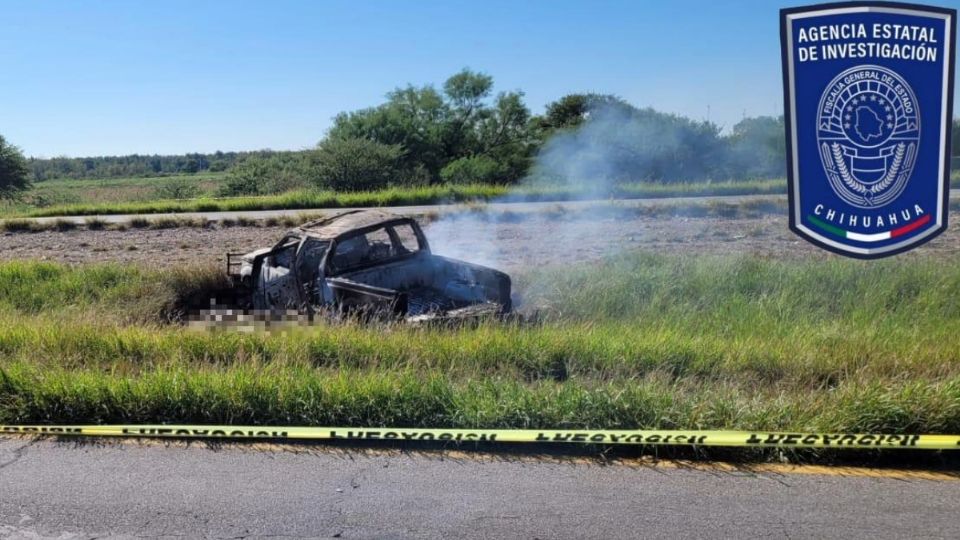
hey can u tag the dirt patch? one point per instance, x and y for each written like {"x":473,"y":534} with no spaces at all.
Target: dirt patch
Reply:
{"x":157,"y":248}
{"x":509,"y":245}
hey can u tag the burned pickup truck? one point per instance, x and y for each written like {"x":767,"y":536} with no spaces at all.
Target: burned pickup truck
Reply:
{"x":366,"y":262}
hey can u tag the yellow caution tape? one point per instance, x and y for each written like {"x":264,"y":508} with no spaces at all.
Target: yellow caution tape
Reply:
{"x":755,"y":439}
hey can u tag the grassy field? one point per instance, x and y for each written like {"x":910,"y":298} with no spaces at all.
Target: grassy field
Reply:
{"x":660,"y":342}
{"x":67,"y":197}
{"x":138,"y":196}
{"x":65,"y":191}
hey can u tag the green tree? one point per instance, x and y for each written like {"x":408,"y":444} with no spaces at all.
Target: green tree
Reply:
{"x":466,"y":93}
{"x":467,"y":90}
{"x":757,"y":148}
{"x":617,"y":142}
{"x":571,"y":110}
{"x":191,"y":165}
{"x":357,"y":164}
{"x":14,"y":173}
{"x":218,"y":165}
{"x":474,"y":170}
{"x":412,"y":118}
{"x":435,"y":129}
{"x":268,"y":174}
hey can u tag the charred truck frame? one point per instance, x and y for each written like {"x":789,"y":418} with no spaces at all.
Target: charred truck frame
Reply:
{"x":366,"y":261}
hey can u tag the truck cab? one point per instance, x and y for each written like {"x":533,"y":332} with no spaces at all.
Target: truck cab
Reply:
{"x":368,"y":261}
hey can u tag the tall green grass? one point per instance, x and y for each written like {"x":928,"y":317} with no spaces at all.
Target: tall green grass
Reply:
{"x":107,"y":292}
{"x":288,"y":395}
{"x":640,"y":340}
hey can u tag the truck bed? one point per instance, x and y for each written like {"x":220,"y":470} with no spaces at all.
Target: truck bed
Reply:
{"x":426,"y":284}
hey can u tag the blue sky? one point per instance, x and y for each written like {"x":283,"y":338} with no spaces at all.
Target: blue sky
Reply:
{"x":120,"y":77}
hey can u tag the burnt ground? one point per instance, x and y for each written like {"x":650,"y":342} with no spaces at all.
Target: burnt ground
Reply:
{"x":526,"y":242}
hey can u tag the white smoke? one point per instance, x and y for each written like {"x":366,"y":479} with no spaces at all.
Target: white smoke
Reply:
{"x":584,"y":161}
{"x":472,"y":236}
{"x":614,"y":145}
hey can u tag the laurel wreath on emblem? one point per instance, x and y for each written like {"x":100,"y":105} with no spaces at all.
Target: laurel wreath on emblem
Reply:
{"x":837,"y":169}
{"x":868,"y":135}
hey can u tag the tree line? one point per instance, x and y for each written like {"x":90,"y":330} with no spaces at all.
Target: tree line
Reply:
{"x":464,"y":132}
{"x":134,"y":165}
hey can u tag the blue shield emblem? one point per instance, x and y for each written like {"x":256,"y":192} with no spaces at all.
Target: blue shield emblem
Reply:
{"x":868,"y":98}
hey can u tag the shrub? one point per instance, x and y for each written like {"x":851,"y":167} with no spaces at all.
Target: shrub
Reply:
{"x":473,"y":170}
{"x":14,"y":174}
{"x":95,"y":224}
{"x":64,"y":225}
{"x":178,"y":189}
{"x":356,"y":164}
{"x":20,"y":225}
{"x":259,"y":175}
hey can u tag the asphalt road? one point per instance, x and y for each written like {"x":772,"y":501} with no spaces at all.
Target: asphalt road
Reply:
{"x":421,"y":209}
{"x":64,"y":490}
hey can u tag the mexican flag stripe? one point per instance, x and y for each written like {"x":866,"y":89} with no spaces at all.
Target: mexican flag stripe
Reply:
{"x":877,"y":237}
